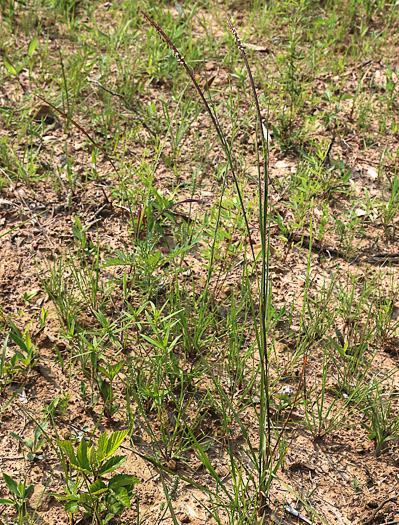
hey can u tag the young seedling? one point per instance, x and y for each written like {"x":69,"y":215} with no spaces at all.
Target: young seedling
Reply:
{"x":19,"y":493}
{"x":100,"y":499}
{"x":33,"y":445}
{"x":25,"y":357}
{"x":106,"y":388}
{"x":382,"y":420}
{"x":57,"y":407}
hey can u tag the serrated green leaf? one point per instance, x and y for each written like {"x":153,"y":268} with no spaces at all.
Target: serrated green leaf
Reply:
{"x":102,"y":447}
{"x":92,"y":457}
{"x":111,"y":464}
{"x":72,"y":507}
{"x":11,"y":484}
{"x":32,"y":46}
{"x":83,"y":460}
{"x":84,"y":497}
{"x":11,"y":69}
{"x":122,"y":480}
{"x":98,"y":487}
{"x":114,"y":441}
{"x":67,"y":448}
{"x":122,"y":496}
{"x":113,"y":505}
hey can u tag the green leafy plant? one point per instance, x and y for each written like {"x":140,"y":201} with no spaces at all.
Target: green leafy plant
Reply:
{"x":390,"y":206}
{"x":194,"y":320}
{"x":28,"y":296}
{"x":57,"y":407}
{"x":33,"y":445}
{"x":267,"y":463}
{"x":88,"y":396}
{"x":65,"y":297}
{"x":287,"y":135}
{"x":82,"y":240}
{"x":100,"y":499}
{"x":324,"y":415}
{"x":6,"y":372}
{"x":382,"y":418}
{"x":346,"y":228}
{"x":19,"y":493}
{"x":14,"y":69}
{"x":26,"y":356}
{"x":105,"y":379}
{"x":42,"y":317}
{"x":386,"y":324}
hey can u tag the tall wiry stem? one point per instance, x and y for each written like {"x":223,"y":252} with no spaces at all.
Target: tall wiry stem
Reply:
{"x":264,"y":425}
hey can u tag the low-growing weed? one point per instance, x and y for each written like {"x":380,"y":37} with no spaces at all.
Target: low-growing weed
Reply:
{"x":101,"y":500}
{"x":381,"y":417}
{"x":25,"y":357}
{"x":19,"y":495}
{"x":33,"y":445}
{"x":106,"y":376}
{"x":56,"y":408}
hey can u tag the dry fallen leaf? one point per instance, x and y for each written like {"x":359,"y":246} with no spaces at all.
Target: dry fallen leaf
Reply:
{"x":253,"y":47}
{"x":281,"y":164}
{"x":380,"y":79}
{"x":258,"y":248}
{"x":372,"y":173}
{"x":207,"y":83}
{"x":172,"y":465}
{"x":43,"y":113}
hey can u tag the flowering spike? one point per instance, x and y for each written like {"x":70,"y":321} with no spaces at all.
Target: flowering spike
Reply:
{"x":237,"y":38}
{"x":176,"y":53}
{"x":181,"y":61}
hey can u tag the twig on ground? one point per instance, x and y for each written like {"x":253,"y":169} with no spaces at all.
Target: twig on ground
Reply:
{"x":377,"y":510}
